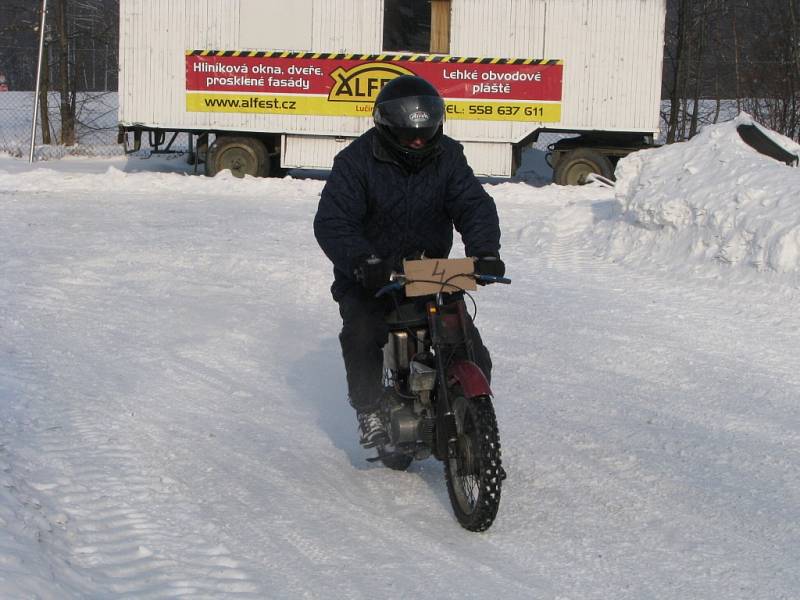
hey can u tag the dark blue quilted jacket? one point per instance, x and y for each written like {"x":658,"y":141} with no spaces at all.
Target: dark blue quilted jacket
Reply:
{"x":371,"y":205}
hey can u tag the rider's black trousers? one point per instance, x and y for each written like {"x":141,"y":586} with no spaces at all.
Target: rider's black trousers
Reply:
{"x":364,"y":334}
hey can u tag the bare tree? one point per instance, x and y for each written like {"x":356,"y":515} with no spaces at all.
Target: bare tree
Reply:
{"x":44,"y":105}
{"x":737,"y":50}
{"x":80,"y":55}
{"x":686,"y":44}
{"x":66,"y":72}
{"x":773,"y":73}
{"x":676,"y":45}
{"x":19,"y":26}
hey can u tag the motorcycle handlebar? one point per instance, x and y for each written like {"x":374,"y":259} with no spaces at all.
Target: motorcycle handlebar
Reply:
{"x":390,"y":287}
{"x":399,"y":283}
{"x":492,"y":279}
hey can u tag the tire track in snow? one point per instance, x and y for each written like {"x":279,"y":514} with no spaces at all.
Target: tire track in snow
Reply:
{"x":108,"y":521}
{"x":123,"y":529}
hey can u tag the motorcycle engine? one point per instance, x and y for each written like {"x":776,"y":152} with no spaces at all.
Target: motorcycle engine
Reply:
{"x":410,"y":429}
{"x":404,"y":423}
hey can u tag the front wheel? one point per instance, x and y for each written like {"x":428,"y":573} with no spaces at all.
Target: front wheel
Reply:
{"x":474,"y":473}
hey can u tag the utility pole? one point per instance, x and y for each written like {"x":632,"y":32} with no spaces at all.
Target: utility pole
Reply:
{"x":38,"y":80}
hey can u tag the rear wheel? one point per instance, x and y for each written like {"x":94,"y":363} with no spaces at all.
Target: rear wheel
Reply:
{"x":242,"y":155}
{"x":398,"y":462}
{"x":474,"y":475}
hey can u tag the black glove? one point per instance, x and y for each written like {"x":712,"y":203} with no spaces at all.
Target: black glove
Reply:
{"x":373,"y":273}
{"x":490,"y":265}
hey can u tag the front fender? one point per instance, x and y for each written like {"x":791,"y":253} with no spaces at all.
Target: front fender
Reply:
{"x":470,"y":377}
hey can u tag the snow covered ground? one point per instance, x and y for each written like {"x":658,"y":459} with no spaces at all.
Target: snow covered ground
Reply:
{"x":173,"y":418}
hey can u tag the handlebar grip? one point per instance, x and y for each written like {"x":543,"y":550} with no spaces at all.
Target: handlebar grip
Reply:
{"x":492,"y":279}
{"x":389,"y":287}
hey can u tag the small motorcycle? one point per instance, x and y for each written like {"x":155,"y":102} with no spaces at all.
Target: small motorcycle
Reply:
{"x":436,"y":400}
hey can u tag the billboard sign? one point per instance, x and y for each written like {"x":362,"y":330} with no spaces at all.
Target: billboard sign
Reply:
{"x":324,"y":84}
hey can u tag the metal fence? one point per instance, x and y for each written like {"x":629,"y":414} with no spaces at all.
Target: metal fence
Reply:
{"x":96,"y":125}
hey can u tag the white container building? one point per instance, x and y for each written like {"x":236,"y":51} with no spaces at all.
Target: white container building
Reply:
{"x":260,"y":83}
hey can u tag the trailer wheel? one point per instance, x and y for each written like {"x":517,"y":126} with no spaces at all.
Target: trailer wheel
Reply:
{"x":576,"y":165}
{"x":240,"y":154}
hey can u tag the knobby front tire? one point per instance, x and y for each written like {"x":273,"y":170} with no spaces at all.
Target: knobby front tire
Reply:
{"x":474,"y":476}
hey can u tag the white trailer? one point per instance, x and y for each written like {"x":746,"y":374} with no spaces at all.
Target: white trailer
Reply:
{"x":271,"y":84}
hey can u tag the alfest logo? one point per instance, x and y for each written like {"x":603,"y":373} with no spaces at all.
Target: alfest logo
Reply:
{"x":364,"y":82}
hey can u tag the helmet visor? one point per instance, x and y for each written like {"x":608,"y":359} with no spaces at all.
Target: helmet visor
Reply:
{"x":407,"y":137}
{"x":411,"y":118}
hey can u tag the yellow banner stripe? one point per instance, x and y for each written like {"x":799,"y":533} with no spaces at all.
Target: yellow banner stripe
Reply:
{"x":480,"y":110}
{"x":495,"y":110}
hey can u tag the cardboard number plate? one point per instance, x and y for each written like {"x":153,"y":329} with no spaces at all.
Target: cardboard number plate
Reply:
{"x":425,"y":277}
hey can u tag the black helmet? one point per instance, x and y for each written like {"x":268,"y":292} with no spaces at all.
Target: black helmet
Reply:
{"x":406,"y":109}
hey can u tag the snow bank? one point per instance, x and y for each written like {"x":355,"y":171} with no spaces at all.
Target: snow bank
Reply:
{"x":712,"y":199}
{"x":166,"y":340}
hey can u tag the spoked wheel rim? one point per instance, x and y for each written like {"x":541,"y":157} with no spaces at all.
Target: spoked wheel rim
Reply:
{"x":464,"y":467}
{"x":474,"y":472}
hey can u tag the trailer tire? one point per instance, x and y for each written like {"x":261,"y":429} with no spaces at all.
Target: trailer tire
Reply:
{"x":241,"y":155}
{"x":574,"y":166}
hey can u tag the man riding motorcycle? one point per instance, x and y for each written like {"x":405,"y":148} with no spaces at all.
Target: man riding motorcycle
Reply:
{"x":396,"y":192}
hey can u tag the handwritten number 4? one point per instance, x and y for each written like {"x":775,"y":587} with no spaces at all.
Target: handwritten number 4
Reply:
{"x":437,"y":272}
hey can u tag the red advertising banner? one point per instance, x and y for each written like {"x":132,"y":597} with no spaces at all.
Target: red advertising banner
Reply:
{"x":346,"y":85}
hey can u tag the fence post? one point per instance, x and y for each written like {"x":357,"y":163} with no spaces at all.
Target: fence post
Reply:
{"x":38,"y":80}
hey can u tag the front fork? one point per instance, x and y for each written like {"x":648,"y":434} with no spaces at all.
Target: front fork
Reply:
{"x":465,"y":372}
{"x":446,"y":426}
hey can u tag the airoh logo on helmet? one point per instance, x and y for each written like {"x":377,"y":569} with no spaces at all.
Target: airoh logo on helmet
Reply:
{"x":419,"y":116}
